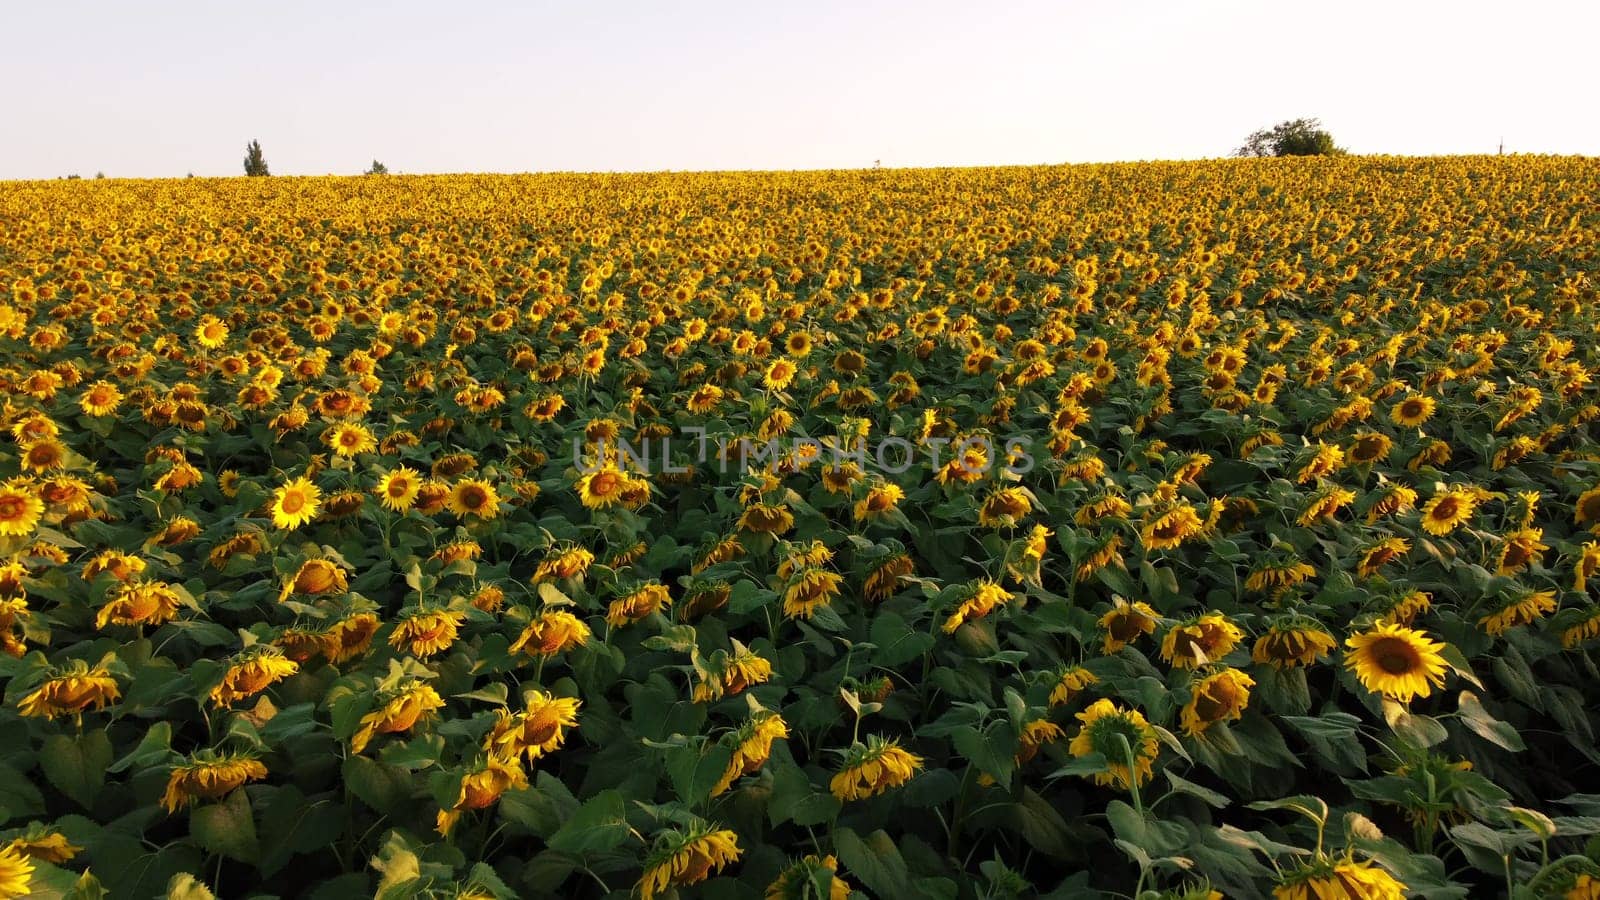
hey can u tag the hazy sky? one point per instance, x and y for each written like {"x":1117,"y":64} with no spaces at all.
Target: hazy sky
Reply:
{"x":164,"y":88}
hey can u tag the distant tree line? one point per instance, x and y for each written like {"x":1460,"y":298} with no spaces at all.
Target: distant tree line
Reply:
{"x":1297,"y":137}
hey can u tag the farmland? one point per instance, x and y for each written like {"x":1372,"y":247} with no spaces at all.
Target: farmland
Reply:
{"x":1209,"y":528}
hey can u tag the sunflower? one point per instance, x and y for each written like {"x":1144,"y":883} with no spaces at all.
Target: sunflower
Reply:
{"x":252,"y":672}
{"x":638,"y":605}
{"x":350,"y":637}
{"x":1342,"y":879}
{"x":480,"y":788}
{"x":1199,"y":641}
{"x":683,"y":857}
{"x":294,"y":504}
{"x":602,"y":487}
{"x":1294,"y":643}
{"x":1412,"y":411}
{"x":540,"y":728}
{"x":1324,"y":504}
{"x":1126,"y":622}
{"x":1278,"y":575}
{"x":1171,"y":528}
{"x":550,"y":632}
{"x":763,"y":518}
{"x":1586,"y":566}
{"x":16,"y":872}
{"x":752,"y":746}
{"x":474,"y":497}
{"x":1520,"y":609}
{"x":397,"y":490}
{"x":1447,"y":510}
{"x":1395,"y":498}
{"x":796,"y":882}
{"x":983,"y":597}
{"x":732,"y":674}
{"x":1069,"y":683}
{"x":1004,"y":508}
{"x":1381,"y":554}
{"x":1218,"y":697}
{"x":315,"y":577}
{"x":209,"y":776}
{"x":20,"y":510}
{"x":879,"y":503}
{"x":425,"y":632}
{"x":1520,"y":549}
{"x":44,"y":845}
{"x":70,"y":690}
{"x":808,"y":590}
{"x":872,"y":768}
{"x":1398,"y":662}
{"x":563,"y":564}
{"x":348,"y":439}
{"x":399,"y":710}
{"x":1105,"y":728}
{"x":884,"y":580}
{"x":139,"y":603}
{"x":101,"y":399}
{"x":1584,"y":512}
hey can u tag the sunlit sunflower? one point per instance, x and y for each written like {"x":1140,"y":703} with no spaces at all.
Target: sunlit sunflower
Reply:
{"x":1199,"y":641}
{"x":1219,"y":697}
{"x":1126,"y":622}
{"x":1293,"y":643}
{"x":808,"y":590}
{"x":639,"y":605}
{"x":1398,"y":662}
{"x":475,"y":498}
{"x":1523,"y":608}
{"x":1339,"y":879}
{"x":209,"y":776}
{"x":347,"y":439}
{"x":425,"y":632}
{"x":872,"y":768}
{"x":251,"y":672}
{"x":550,"y":632}
{"x":1112,"y":732}
{"x":1071,"y":682}
{"x":295,"y":503}
{"x":539,"y":728}
{"x":1412,"y":411}
{"x":884,"y":579}
{"x":732,"y":674}
{"x":16,"y":873}
{"x":70,"y":690}
{"x":681,"y":857}
{"x":751,"y":744}
{"x":20,"y":510}
{"x":879,"y":502}
{"x":983,"y":597}
{"x":1448,"y":509}
{"x":139,"y":603}
{"x":398,"y":710}
{"x":480,"y":788}
{"x":602,"y":488}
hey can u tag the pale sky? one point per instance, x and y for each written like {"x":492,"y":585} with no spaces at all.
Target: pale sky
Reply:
{"x":166,"y":88}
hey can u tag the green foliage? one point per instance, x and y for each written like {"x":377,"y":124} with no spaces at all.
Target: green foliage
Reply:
{"x":1298,"y":137}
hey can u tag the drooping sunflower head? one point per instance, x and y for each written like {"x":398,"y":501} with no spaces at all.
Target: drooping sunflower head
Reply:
{"x":1291,"y":643}
{"x":1126,"y":622}
{"x":872,"y":768}
{"x":252,"y":671}
{"x":1199,"y":641}
{"x":1339,"y":878}
{"x":1070,"y":681}
{"x":551,"y":632}
{"x":1522,"y":608}
{"x":795,"y":882}
{"x":425,"y":632}
{"x":70,"y":690}
{"x":1218,"y":697}
{"x":209,"y":776}
{"x":681,"y":857}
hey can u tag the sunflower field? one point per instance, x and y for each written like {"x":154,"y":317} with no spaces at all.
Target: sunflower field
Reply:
{"x":1160,"y":530}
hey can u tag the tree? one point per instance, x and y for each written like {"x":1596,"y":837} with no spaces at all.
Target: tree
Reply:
{"x":1300,"y":137}
{"x":254,"y":162}
{"x":377,"y":168}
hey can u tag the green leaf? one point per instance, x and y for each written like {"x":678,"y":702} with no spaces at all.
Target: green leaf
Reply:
{"x":876,"y":861}
{"x":1496,"y":732}
{"x":228,"y":828}
{"x":1184,"y":785}
{"x":992,"y":751}
{"x":1155,"y":836}
{"x":380,"y":786}
{"x":897,"y":641}
{"x":694,"y":774}
{"x":77,"y":767}
{"x":601,"y":823}
{"x":1417,"y":730}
